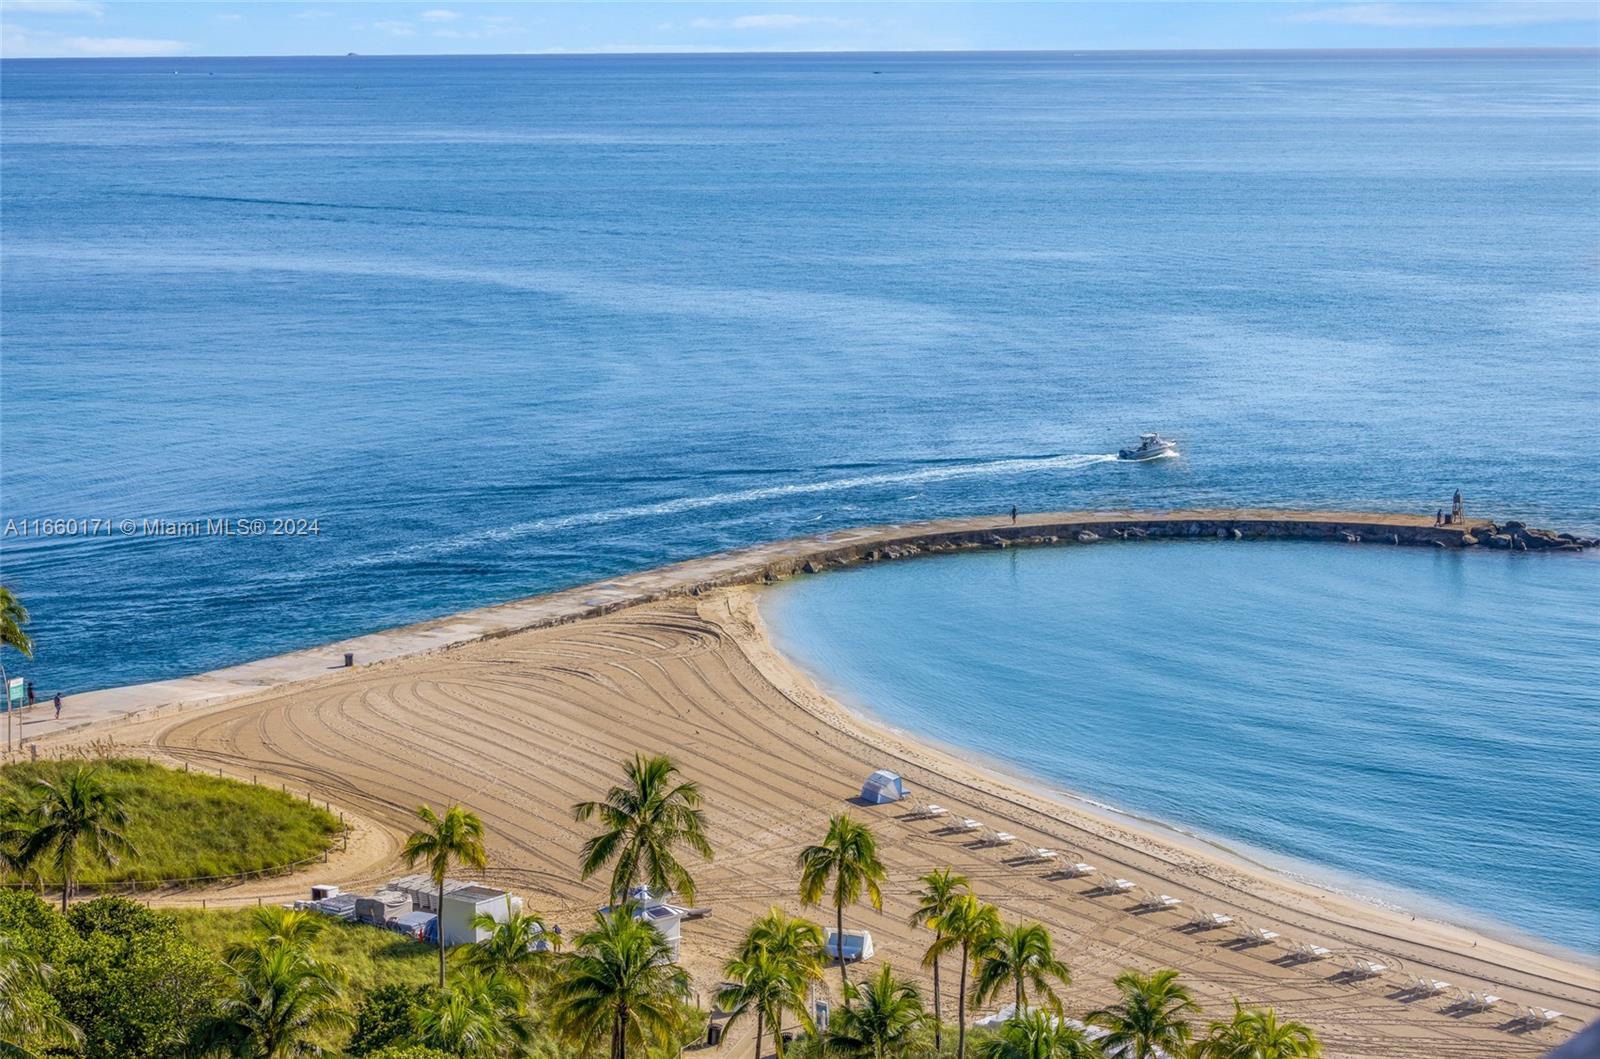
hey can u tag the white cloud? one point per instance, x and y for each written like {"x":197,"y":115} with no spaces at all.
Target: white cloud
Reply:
{"x":1443,"y":15}
{"x":396,"y":29}
{"x":23,"y":42}
{"x":123,"y":46}
{"x":774,"y":21}
{"x":53,"y":7}
{"x":439,"y":14}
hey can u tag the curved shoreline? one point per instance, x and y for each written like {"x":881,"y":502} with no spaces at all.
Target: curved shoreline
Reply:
{"x":768,"y":562}
{"x":518,"y":725}
{"x":1238,"y":853}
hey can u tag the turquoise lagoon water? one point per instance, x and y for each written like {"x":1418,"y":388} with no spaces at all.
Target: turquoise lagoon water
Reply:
{"x":508,"y":324}
{"x":1424,"y":722}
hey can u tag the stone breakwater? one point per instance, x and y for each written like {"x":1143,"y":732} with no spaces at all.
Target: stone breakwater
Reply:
{"x":776,"y":560}
{"x":1510,"y":536}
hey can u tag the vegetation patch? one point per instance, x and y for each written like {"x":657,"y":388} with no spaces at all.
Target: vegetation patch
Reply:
{"x":183,"y":825}
{"x":369,"y":956}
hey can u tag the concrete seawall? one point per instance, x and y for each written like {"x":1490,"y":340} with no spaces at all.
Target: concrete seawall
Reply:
{"x":774,"y":561}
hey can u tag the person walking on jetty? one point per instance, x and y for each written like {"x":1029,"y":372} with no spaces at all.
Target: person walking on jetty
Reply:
{"x":58,"y":705}
{"x":1455,"y":507}
{"x":30,"y":693}
{"x":1013,"y":514}
{"x":1438,"y":517}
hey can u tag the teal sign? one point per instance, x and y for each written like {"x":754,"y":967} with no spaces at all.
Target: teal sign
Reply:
{"x":16,"y":691}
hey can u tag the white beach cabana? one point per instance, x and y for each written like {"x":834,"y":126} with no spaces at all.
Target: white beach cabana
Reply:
{"x":883,"y":787}
{"x":857,"y":945}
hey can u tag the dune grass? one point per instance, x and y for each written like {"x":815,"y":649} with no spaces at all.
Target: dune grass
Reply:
{"x":188,"y":825}
{"x":369,"y":955}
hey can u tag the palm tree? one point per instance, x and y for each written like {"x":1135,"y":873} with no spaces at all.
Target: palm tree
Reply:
{"x":1150,"y":1016}
{"x":793,"y":949}
{"x":1039,"y":1035}
{"x":940,"y":889}
{"x":28,"y":1019}
{"x":644,"y":820}
{"x":967,"y":926}
{"x":279,"y":998}
{"x":13,"y":616}
{"x":456,"y":837}
{"x":278,"y":926}
{"x":879,"y":1019}
{"x":1021,"y":955}
{"x":477,"y":1016}
{"x":1256,"y":1033}
{"x":791,"y":938}
{"x":521,"y":949}
{"x":78,"y":818}
{"x":620,"y":980}
{"x":759,"y":981}
{"x":849,"y":857}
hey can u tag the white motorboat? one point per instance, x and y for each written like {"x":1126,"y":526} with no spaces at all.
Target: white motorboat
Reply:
{"x":1151,"y":447}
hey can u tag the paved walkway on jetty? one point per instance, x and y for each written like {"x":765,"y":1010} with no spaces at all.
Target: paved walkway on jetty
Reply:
{"x":744,"y":565}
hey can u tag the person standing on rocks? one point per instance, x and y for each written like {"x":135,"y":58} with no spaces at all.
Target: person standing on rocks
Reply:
{"x":1013,"y":514}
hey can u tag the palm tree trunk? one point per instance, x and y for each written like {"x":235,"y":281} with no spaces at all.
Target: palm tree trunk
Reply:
{"x":761,"y":1031}
{"x":622,"y":1030}
{"x":67,"y":866}
{"x":961,"y":1008}
{"x":777,"y":1033}
{"x":838,"y":944}
{"x":438,"y":923}
{"x":1017,"y":1004}
{"x":938,"y":1013}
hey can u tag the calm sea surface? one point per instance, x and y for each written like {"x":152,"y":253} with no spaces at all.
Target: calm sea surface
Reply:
{"x":1425,"y":724}
{"x":502,"y":325}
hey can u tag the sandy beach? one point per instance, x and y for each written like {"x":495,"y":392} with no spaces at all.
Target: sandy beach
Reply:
{"x":520,"y":726}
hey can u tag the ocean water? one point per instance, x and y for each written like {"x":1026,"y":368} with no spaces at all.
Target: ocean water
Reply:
{"x":1412,"y":725}
{"x":504,"y":325}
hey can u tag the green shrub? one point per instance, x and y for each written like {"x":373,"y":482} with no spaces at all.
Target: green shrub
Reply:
{"x":124,"y":975}
{"x":187,"y":825}
{"x":383,"y":1019}
{"x":409,"y":1051}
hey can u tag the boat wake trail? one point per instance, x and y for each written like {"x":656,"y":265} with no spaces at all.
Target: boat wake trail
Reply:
{"x":941,"y":473}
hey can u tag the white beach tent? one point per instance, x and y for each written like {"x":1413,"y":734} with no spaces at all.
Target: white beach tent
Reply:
{"x":883,"y":787}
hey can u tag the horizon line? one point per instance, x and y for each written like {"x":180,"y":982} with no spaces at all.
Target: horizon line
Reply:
{"x":1576,"y":49}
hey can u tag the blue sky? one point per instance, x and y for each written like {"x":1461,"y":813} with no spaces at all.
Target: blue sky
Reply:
{"x":106,"y":27}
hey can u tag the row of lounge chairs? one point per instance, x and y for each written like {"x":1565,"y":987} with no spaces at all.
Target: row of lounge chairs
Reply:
{"x":1358,"y":967}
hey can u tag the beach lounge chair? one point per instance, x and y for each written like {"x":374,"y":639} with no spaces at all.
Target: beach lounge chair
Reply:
{"x":1003,"y":838}
{"x":1540,"y":1016}
{"x":1209,"y":920}
{"x":1121,"y":886}
{"x":1360,"y":968}
{"x":932,"y":811}
{"x":1167,"y":901}
{"x":1258,"y":935}
{"x":1078,"y":870}
{"x":971,"y":825}
{"x":1040,"y":853}
{"x":1312,"y":952}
